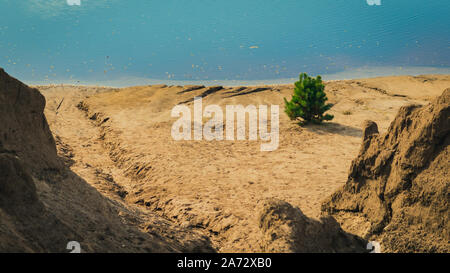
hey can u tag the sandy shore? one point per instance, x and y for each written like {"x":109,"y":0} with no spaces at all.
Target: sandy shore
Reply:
{"x":215,"y":187}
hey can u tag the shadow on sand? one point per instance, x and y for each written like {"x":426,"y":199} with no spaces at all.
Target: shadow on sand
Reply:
{"x":334,"y":128}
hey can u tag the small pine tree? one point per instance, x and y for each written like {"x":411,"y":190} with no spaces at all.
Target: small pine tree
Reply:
{"x":308,"y":101}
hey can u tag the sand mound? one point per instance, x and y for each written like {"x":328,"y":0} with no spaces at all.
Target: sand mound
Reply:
{"x":26,"y":147}
{"x":399,"y":181}
{"x":24,"y":130}
{"x":286,"y":229}
{"x":44,"y":205}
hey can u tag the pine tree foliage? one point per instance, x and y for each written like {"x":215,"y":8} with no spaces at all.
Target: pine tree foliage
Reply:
{"x":308,"y":101}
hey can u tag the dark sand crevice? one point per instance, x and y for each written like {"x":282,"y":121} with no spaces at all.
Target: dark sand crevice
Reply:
{"x":208,"y":91}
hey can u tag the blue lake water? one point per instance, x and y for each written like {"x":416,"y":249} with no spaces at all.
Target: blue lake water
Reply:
{"x":118,"y":42}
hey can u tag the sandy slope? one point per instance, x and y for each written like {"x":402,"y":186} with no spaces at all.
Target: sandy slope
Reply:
{"x":92,"y":189}
{"x":215,"y":187}
{"x":44,"y":204}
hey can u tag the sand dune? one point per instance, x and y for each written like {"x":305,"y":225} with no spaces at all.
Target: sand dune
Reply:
{"x":120,"y":142}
